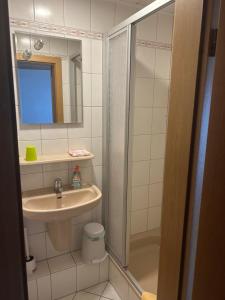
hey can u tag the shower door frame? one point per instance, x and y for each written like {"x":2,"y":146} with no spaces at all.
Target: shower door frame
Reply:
{"x":106,"y":143}
{"x":128,"y":24}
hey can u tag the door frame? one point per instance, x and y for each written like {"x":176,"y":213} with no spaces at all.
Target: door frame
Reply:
{"x":12,"y":258}
{"x":209,"y":269}
{"x":189,"y":81}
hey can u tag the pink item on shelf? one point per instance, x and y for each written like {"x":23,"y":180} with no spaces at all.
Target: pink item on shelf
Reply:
{"x":78,"y":152}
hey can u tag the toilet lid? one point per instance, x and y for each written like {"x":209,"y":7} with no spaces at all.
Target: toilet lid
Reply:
{"x":94,"y":230}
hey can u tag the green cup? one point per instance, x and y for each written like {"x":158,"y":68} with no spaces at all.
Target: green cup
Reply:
{"x":31,"y":153}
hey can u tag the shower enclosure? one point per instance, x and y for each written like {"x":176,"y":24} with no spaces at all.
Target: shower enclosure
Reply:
{"x":137,"y":68}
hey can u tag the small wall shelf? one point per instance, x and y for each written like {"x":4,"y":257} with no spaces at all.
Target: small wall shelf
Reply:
{"x":50,"y":159}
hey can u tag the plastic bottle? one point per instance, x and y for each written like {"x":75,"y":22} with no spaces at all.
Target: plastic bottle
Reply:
{"x":76,"y":180}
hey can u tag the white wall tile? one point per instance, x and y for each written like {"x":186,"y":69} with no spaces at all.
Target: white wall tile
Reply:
{"x":97,"y":176}
{"x":158,"y":145}
{"x":145,"y":62}
{"x":144,"y":88}
{"x":23,"y":9}
{"x":159,"y":120}
{"x":44,"y":288}
{"x":162,"y":64}
{"x":55,"y":167}
{"x":51,"y":251}
{"x":32,"y":169}
{"x":155,"y":194}
{"x":97,"y":150}
{"x":77,"y":13}
{"x":96,"y":121}
{"x":34,"y":226}
{"x":102,"y":15}
{"x":58,"y":46}
{"x":86,"y":55}
{"x":37,"y":244}
{"x":96,"y":56}
{"x":156,"y":170}
{"x":32,"y":290}
{"x":146,"y":29}
{"x":161,"y":92}
{"x":104,"y":270}
{"x":83,"y":130}
{"x":77,"y":230}
{"x":96,"y":89}
{"x":165,"y":28}
{"x":139,"y":197}
{"x":50,"y":11}
{"x":80,"y":143}
{"x":140,"y":173}
{"x":142,"y":121}
{"x":87,"y":83}
{"x":31,"y":181}
{"x":49,"y":132}
{"x":118,"y":281}
{"x":141,"y":147}
{"x":87,"y":275}
{"x":58,"y":146}
{"x":154,"y":217}
{"x":83,"y":218}
{"x":63,"y":283}
{"x":28,"y":133}
{"x":139,"y":221}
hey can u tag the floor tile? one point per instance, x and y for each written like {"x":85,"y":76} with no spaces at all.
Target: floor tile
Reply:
{"x":69,"y":297}
{"x":86,"y":296}
{"x":110,"y":293}
{"x":97,"y":289}
{"x":61,"y":262}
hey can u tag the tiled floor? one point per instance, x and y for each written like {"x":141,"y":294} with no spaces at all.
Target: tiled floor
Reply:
{"x":144,"y":260}
{"x":102,"y":291}
{"x":65,"y":275}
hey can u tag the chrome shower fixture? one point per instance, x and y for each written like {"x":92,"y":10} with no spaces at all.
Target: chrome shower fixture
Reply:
{"x":27,"y":53}
{"x":39,"y":44}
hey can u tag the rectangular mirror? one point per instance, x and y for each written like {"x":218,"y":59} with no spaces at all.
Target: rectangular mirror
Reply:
{"x":49,"y":77}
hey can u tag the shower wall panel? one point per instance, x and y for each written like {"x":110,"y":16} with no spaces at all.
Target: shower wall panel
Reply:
{"x":150,"y":110}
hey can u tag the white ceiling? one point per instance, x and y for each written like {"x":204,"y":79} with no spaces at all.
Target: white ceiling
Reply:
{"x":138,"y":2}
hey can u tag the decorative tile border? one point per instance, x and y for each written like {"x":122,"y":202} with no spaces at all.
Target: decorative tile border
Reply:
{"x":153,"y":44}
{"x":73,"y":32}
{"x":56,"y":29}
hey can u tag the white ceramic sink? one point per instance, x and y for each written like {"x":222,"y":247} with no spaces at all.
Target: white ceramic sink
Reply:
{"x":48,"y":208}
{"x":57,"y":213}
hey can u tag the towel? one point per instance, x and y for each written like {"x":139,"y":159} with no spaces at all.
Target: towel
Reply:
{"x":148,"y":296}
{"x":78,"y":152}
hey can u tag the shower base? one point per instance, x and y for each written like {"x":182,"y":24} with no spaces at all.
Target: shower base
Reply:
{"x":144,"y":259}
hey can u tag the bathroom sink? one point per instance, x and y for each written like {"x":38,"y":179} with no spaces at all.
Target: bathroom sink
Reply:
{"x":48,"y":208}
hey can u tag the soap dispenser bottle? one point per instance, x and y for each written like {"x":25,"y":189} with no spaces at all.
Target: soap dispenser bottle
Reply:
{"x":76,"y":180}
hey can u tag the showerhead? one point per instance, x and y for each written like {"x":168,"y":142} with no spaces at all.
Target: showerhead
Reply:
{"x":39,"y":44}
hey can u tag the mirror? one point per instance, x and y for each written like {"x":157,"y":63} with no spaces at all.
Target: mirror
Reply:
{"x":49,"y":79}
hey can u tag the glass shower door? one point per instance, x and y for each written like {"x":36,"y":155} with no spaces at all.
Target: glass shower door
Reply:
{"x":118,"y":72}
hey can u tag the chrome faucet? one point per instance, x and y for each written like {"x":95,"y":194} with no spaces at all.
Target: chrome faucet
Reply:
{"x":58,"y":187}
